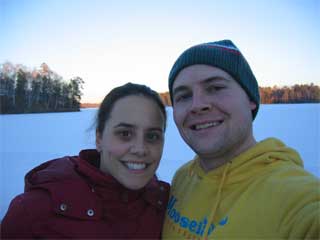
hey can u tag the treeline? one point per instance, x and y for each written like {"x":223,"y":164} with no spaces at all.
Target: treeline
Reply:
{"x":303,"y":93}
{"x":299,"y":93}
{"x":38,"y":90}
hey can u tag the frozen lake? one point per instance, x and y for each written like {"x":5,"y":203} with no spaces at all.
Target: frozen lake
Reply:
{"x":27,"y":140}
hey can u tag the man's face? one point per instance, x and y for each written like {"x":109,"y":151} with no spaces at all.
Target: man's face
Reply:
{"x":212,"y":113}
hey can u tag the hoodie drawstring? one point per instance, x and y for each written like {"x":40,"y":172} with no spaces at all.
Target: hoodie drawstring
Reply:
{"x":216,"y":204}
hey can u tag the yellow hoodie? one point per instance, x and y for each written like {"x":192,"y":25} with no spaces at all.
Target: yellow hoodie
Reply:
{"x":264,"y":193}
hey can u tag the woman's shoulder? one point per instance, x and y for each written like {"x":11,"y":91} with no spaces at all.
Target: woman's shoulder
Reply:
{"x":52,"y":170}
{"x":36,"y":199}
{"x":54,"y":186}
{"x":23,"y":211}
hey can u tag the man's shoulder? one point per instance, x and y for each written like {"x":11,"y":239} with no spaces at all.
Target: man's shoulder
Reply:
{"x":186,"y":166}
{"x":184,"y":169}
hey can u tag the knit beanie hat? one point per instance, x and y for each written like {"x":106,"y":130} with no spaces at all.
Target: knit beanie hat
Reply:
{"x":221,"y":54}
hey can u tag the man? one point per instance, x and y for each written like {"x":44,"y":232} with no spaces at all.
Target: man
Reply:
{"x":235,"y":187}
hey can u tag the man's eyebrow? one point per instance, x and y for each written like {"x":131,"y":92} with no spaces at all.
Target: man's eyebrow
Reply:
{"x":212,"y":79}
{"x":180,"y":89}
{"x":203,"y":81}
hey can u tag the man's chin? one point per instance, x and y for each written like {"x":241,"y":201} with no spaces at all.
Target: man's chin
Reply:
{"x":207,"y":152}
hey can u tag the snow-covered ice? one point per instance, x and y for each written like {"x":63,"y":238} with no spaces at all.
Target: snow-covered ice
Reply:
{"x":27,"y":140}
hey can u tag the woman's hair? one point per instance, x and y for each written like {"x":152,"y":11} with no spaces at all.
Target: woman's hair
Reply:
{"x":125,"y":90}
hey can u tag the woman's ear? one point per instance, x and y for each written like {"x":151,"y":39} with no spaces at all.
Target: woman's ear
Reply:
{"x":98,"y":141}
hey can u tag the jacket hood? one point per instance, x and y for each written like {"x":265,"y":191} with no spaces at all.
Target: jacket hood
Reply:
{"x":65,"y":187}
{"x":52,"y":171}
{"x":68,"y":169}
{"x":78,"y":182}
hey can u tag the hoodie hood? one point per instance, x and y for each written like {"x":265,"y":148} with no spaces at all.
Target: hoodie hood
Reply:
{"x":265,"y":157}
{"x":228,"y":202}
{"x":268,"y":152}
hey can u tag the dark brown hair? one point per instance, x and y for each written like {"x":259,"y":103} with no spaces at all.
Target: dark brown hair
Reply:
{"x":125,"y":90}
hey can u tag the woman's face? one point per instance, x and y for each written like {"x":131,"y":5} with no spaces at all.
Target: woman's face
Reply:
{"x":132,"y":141}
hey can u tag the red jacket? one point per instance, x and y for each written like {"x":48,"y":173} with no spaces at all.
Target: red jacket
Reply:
{"x":71,"y":198}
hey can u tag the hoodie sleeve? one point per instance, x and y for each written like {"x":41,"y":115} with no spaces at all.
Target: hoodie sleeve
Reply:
{"x":301,"y":207}
{"x":308,"y":225}
{"x":306,"y":221}
{"x":17,"y":221}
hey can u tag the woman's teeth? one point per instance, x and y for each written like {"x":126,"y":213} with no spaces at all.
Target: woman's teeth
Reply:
{"x":136,"y":166}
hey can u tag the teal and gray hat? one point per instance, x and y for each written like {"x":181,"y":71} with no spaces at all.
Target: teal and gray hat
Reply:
{"x":222,"y":54}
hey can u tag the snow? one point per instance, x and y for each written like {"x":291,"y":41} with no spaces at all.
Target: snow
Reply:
{"x":27,"y":140}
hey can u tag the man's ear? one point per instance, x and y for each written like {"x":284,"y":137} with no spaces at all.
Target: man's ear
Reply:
{"x":98,"y":141}
{"x":253,"y":105}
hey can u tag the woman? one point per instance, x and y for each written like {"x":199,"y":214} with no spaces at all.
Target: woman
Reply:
{"x":107,"y":192}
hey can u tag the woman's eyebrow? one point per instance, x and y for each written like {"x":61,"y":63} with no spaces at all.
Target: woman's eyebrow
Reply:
{"x":128,"y":125}
{"x":155,"y":129}
{"x":123,"y":124}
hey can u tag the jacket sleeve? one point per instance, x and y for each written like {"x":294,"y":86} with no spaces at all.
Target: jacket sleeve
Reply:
{"x":17,"y":222}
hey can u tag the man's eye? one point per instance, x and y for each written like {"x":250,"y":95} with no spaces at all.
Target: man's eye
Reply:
{"x":214,"y":88}
{"x":182,"y":97}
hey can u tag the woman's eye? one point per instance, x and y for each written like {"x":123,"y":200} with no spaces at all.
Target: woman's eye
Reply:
{"x":153,"y":137}
{"x":125,"y":134}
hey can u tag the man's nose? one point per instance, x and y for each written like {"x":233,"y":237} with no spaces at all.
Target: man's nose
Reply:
{"x":200,"y":104}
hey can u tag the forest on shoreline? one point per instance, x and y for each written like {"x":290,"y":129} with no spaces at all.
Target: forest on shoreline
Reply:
{"x":43,"y":90}
{"x":298,"y":93}
{"x":303,"y":93}
{"x":37,"y":90}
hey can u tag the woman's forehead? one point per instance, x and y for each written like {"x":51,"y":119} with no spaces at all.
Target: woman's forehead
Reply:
{"x":137,"y":111}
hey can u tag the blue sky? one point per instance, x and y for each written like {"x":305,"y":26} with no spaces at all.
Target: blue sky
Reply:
{"x":109,"y":43}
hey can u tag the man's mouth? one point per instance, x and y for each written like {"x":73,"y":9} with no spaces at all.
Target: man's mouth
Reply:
{"x":135,"y":165}
{"x":205,"y":125}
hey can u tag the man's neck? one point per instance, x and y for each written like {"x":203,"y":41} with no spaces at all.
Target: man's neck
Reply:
{"x":213,"y":161}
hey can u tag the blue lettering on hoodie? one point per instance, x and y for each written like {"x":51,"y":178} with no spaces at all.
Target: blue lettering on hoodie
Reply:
{"x":196,"y":227}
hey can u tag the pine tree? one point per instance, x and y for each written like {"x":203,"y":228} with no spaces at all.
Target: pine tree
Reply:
{"x":21,"y":91}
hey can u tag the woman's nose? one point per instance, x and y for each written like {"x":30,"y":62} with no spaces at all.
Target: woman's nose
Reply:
{"x":138,"y":148}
